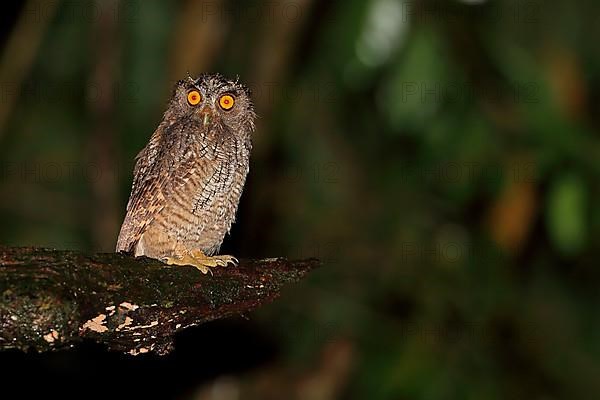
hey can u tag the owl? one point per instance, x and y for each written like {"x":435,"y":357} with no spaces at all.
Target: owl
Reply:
{"x":188,"y":180}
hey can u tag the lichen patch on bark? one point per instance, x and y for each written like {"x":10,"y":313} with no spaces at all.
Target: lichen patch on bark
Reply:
{"x":96,"y":324}
{"x":128,"y":306}
{"x":52,"y":336}
{"x":128,"y":321}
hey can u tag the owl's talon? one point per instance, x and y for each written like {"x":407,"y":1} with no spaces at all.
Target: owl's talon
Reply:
{"x":202,"y":262}
{"x":230,"y":259}
{"x":225,"y":260}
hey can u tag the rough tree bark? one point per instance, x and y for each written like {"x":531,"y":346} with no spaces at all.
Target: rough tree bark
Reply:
{"x":53,"y":299}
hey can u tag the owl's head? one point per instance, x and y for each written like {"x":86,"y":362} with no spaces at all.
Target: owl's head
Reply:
{"x":212,"y":100}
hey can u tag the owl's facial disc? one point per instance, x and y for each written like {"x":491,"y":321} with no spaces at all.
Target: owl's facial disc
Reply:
{"x":214,"y":101}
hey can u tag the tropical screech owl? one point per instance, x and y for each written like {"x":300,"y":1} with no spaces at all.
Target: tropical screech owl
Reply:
{"x":189,"y":178}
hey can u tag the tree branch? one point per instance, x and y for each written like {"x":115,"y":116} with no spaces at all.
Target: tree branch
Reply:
{"x":53,"y":299}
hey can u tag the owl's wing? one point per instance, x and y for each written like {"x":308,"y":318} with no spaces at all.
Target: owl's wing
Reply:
{"x":143,"y":204}
{"x":156,"y":174}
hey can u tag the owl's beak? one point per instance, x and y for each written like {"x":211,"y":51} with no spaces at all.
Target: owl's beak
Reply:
{"x":206,"y":114}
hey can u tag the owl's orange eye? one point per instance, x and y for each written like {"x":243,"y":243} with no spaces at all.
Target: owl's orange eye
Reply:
{"x":226,"y":102}
{"x":194,"y":97}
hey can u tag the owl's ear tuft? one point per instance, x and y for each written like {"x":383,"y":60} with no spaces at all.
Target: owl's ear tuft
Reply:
{"x":245,"y":90}
{"x":178,"y":85}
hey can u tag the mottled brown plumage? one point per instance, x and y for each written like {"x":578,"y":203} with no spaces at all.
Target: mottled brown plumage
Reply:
{"x":189,"y":178}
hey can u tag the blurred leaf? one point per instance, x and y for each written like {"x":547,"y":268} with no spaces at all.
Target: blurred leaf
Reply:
{"x":414,"y":92}
{"x":566,"y":216}
{"x":566,"y":81}
{"x":512,"y":215}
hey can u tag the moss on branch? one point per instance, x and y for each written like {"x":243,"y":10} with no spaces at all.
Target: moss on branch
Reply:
{"x":53,"y":299}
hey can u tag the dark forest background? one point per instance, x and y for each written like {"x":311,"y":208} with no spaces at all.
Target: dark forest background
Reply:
{"x":441,"y":157}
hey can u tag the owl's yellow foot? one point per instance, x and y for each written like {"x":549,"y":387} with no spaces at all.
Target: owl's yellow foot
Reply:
{"x":201,"y":261}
